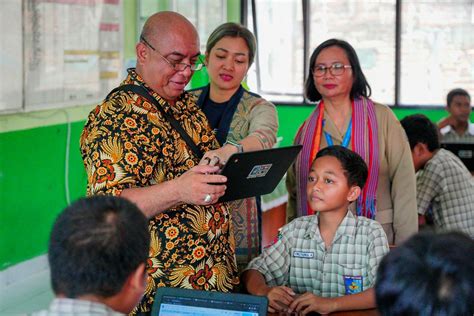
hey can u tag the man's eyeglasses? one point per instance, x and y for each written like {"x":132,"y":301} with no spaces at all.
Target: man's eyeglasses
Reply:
{"x":175,"y":66}
{"x":335,"y":69}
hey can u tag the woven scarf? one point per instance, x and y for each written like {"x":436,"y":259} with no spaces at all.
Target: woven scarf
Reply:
{"x":364,"y":142}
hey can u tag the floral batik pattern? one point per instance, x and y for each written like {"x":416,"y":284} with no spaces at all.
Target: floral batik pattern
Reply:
{"x":126,"y":143}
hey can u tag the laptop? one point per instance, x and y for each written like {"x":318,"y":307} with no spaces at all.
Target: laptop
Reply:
{"x":256,"y":173}
{"x":180,"y":302}
{"x":465,"y":152}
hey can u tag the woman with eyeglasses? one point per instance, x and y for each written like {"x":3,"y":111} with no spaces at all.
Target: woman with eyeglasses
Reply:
{"x":345,"y":115}
{"x":241,"y":120}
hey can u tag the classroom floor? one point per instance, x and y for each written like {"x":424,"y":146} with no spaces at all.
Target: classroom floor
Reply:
{"x":30,"y":294}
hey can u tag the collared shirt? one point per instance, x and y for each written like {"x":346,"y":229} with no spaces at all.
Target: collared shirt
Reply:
{"x":126,"y":143}
{"x":300,"y":260}
{"x":449,"y":135}
{"x":446,"y":185}
{"x":69,"y":306}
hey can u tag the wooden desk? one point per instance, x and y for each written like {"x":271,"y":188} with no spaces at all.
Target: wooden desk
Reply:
{"x":364,"y":312}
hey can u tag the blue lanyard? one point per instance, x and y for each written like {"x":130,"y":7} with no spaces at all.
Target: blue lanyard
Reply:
{"x":345,"y":140}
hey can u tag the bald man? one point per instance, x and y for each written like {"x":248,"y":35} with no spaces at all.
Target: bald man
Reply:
{"x":130,"y":149}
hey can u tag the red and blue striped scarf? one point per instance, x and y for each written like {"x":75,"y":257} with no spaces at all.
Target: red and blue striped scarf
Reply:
{"x":364,"y":142}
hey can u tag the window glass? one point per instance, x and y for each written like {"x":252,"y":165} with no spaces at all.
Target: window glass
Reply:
{"x":280,"y":50}
{"x":437,"y":50}
{"x":206,"y":15}
{"x":369,"y":26}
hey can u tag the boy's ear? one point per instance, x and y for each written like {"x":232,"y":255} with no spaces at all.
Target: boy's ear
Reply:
{"x":354,"y":193}
{"x":418,"y":149}
{"x":136,"y":280}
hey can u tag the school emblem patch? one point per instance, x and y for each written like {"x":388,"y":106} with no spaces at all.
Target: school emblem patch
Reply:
{"x":353,"y":284}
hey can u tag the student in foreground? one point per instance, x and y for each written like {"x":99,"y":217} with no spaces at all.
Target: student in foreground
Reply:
{"x":430,"y":274}
{"x":324,"y":262}
{"x":97,"y":253}
{"x":443,"y":184}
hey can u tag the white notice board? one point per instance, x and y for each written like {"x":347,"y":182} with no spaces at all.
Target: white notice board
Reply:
{"x":11,"y":64}
{"x":73,"y":51}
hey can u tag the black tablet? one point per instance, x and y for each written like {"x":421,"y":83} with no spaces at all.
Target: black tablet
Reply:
{"x":256,"y":173}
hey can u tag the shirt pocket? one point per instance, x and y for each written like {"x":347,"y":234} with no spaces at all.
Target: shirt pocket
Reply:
{"x":352,"y":278}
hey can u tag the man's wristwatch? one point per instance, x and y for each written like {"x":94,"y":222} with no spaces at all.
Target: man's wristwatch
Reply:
{"x":240,"y":148}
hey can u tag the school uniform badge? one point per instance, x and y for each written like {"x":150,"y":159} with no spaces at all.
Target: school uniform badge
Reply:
{"x":353,"y":284}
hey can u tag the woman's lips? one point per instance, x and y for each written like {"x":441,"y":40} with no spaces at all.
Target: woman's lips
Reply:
{"x":226,"y":77}
{"x":329,"y":86}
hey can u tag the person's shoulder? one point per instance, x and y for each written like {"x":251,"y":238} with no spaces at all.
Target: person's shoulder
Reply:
{"x":367,"y":226}
{"x":300,"y":223}
{"x":196,"y":91}
{"x":470,"y":128}
{"x":441,"y":157}
{"x":255,"y":98}
{"x":383,"y":109}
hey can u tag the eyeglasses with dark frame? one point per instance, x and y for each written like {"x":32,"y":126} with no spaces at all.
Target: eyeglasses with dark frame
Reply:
{"x":175,"y":66}
{"x":335,"y":69}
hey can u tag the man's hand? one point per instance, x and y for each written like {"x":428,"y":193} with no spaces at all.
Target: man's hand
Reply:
{"x":194,"y":186}
{"x":450,"y":120}
{"x":308,"y":302}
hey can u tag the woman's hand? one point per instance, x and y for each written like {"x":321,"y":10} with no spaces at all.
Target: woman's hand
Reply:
{"x":308,"y":302}
{"x":218,"y":157}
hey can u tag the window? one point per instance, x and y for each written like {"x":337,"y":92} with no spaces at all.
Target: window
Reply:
{"x":355,"y":22}
{"x":280,"y":54}
{"x":435,"y":46}
{"x":437,"y":50}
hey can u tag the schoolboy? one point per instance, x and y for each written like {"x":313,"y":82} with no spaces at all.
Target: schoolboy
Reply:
{"x":443,"y":183}
{"x":97,"y":253}
{"x":456,"y":127}
{"x":320,"y":259}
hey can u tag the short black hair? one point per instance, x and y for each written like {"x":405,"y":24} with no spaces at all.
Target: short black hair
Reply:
{"x":420,"y":129}
{"x":429,"y":274}
{"x":455,"y":92}
{"x":355,"y":168}
{"x":95,"y":244}
{"x":360,"y":86}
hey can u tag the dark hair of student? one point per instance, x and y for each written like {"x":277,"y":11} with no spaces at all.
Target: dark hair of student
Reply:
{"x":231,"y":29}
{"x":420,"y":129}
{"x":95,"y":245}
{"x":429,"y":274}
{"x":355,"y":168}
{"x":360,"y":86}
{"x":454,"y":93}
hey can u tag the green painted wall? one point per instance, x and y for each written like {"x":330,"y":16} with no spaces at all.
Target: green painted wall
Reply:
{"x":32,"y":186}
{"x":291,"y":117}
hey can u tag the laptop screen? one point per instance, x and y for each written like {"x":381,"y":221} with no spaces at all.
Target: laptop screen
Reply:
{"x":465,"y":152}
{"x":182,"y":302}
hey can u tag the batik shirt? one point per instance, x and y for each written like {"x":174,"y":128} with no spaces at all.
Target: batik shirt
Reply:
{"x":126,"y":143}
{"x":301,"y":261}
